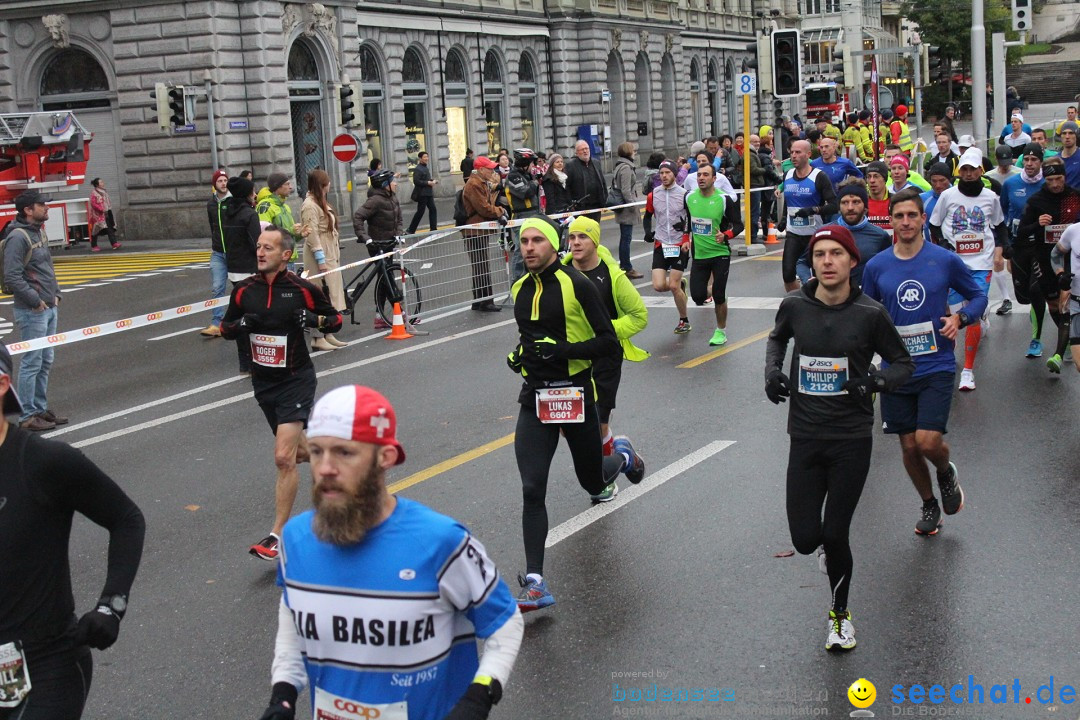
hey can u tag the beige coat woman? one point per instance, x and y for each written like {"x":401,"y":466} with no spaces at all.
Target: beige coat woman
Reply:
{"x":324,"y":237}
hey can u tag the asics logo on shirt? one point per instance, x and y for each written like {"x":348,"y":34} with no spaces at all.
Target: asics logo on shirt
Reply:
{"x":910,"y":295}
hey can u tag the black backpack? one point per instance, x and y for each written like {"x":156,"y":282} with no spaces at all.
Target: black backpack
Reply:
{"x":461,"y":217}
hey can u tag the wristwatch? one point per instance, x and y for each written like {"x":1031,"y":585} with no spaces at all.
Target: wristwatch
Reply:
{"x":964,"y":319}
{"x":494,"y":687}
{"x":117,"y":603}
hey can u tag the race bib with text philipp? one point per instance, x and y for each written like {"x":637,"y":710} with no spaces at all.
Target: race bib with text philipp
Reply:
{"x":822,"y":376}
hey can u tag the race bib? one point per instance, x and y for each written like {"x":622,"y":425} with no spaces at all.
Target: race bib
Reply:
{"x":822,"y":376}
{"x":269,"y":350}
{"x":796,"y":221}
{"x":919,"y":339}
{"x":701,"y":226}
{"x":561,"y":405}
{"x":1052,"y":233}
{"x":969,"y":243}
{"x":14,"y":678}
{"x":672,"y":251}
{"x":329,"y":706}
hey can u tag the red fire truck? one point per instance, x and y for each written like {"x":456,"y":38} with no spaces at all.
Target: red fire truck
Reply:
{"x":824,"y":97}
{"x":45,"y":151}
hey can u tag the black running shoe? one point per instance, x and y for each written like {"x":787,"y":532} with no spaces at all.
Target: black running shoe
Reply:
{"x":930,"y":522}
{"x":952,"y":495}
{"x":1005,"y":308}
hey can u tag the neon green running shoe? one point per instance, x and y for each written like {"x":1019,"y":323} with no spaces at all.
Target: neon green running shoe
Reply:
{"x":719,"y":337}
{"x":1054,"y":364}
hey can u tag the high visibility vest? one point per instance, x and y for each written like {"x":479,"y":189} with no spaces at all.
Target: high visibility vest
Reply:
{"x":905,"y":137}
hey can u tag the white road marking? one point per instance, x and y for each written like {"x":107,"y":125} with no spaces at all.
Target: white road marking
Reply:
{"x":237,"y":398}
{"x":633,"y":492}
{"x":174,"y":334}
{"x":734,"y":303}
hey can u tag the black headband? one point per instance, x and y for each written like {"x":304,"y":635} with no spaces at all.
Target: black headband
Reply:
{"x":1052,"y":170}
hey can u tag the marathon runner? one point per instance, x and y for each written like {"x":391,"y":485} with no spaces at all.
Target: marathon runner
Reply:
{"x":713,"y":220}
{"x":563,"y":327}
{"x":1069,"y":154}
{"x":900,"y":173}
{"x":941,"y":179}
{"x":1048,"y":212}
{"x":877,"y":199}
{"x":629,"y":316}
{"x":968,"y":220}
{"x":869,"y":238}
{"x":44,"y":651}
{"x":382,"y":598}
{"x":1015,"y":192}
{"x":1066,"y":259}
{"x":912,"y":282}
{"x":837,"y":168}
{"x":831,"y":416}
{"x":270,"y":311}
{"x":671,"y":250}
{"x":808,"y":197}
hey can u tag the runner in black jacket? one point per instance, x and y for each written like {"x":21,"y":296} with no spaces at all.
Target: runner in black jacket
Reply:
{"x":269,"y":311}
{"x":836,"y":330}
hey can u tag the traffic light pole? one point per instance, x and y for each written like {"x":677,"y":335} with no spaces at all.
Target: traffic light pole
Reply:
{"x":210,"y":120}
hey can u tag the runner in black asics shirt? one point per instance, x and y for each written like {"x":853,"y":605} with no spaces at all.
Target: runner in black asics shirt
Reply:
{"x":43,"y":483}
{"x":270,"y":310}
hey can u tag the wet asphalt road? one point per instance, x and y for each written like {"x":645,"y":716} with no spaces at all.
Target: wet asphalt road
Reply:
{"x":680,"y":586}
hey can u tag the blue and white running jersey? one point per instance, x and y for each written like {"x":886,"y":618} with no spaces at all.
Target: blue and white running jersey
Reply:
{"x":391,"y":623}
{"x":803,"y":193}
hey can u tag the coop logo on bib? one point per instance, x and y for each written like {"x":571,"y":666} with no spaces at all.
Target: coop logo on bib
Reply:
{"x":910,"y":295}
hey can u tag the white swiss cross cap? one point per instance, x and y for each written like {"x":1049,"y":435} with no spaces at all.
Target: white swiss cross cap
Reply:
{"x":355,"y":412}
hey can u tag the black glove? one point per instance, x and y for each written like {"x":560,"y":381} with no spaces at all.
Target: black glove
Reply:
{"x":303,"y":318}
{"x":650,"y":237}
{"x":98,"y":628}
{"x":1065,"y":280}
{"x":476,"y":703}
{"x":1007,"y":252}
{"x":547,"y":349}
{"x":513,"y":360}
{"x":805,"y":212}
{"x":861,"y":387}
{"x":282,"y":703}
{"x":503,"y":219}
{"x":250,"y":321}
{"x":776,"y":387}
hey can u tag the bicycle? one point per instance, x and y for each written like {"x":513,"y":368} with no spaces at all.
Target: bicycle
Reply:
{"x":383,"y":272}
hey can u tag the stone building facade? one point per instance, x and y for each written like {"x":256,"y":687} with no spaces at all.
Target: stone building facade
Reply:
{"x":434,"y":75}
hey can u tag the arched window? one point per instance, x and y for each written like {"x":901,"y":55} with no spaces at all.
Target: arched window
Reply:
{"x":73,"y":79}
{"x":493,"y":102}
{"x":695,"y":98}
{"x":456,"y":88}
{"x":527,"y":93}
{"x":371,"y":83}
{"x":714,"y":100}
{"x":305,"y":105}
{"x":414,"y":88}
{"x":302,"y":65}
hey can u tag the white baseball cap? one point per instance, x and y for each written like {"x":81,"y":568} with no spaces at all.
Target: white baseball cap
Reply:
{"x":972,"y":157}
{"x":966,"y":141}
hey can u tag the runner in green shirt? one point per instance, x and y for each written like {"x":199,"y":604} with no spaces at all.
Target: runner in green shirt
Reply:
{"x":714,"y":220}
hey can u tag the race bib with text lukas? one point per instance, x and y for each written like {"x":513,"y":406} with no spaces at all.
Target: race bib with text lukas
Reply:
{"x":822,"y":376}
{"x":269,"y":350}
{"x":14,"y":677}
{"x":919,"y":339}
{"x":329,"y":706}
{"x":560,"y":405}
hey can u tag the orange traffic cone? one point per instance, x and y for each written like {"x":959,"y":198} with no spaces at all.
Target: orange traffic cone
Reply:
{"x":398,"y":332}
{"x":771,"y":239}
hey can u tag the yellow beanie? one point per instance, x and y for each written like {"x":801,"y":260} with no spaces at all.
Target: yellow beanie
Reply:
{"x":764,"y":131}
{"x":586,"y":226}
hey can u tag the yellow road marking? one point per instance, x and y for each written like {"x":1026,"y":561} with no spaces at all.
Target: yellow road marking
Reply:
{"x":768,"y":257}
{"x":723,"y":351}
{"x":451,"y":463}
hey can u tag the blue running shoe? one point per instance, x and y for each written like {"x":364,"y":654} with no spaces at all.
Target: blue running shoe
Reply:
{"x":635,"y":469}
{"x":534,"y":594}
{"x":1034,"y":349}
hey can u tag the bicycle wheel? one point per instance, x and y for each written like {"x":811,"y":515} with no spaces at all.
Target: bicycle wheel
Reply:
{"x":412,"y":299}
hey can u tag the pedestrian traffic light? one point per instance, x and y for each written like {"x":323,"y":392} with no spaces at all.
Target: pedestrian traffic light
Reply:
{"x":1021,"y":14}
{"x":177,"y":112}
{"x":846,"y":69}
{"x":160,"y":96}
{"x":933,"y":68}
{"x":787,"y":63}
{"x":345,"y":92}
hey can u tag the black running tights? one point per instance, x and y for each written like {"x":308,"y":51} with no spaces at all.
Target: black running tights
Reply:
{"x":60,"y":683}
{"x":829,"y":473}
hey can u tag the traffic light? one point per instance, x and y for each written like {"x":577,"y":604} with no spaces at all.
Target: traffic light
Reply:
{"x":177,"y":113}
{"x":1021,"y":14}
{"x":345,"y":92}
{"x":933,"y":68}
{"x":160,"y":96}
{"x":846,"y":69}
{"x":786,"y":63}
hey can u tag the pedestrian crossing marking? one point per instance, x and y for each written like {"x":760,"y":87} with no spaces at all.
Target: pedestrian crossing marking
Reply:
{"x":72,"y":271}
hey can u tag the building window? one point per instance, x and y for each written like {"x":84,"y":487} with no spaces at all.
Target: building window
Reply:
{"x":456,"y":85}
{"x":810,"y":7}
{"x":305,"y":105}
{"x":832,"y":6}
{"x":715,"y":123}
{"x":493,"y":102}
{"x":372,"y":90}
{"x":527,"y":93}
{"x":415,"y":90}
{"x":70,"y":73}
{"x":695,"y":98}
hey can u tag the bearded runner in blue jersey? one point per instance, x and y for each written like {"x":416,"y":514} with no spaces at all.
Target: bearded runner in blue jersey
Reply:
{"x":808,"y":197}
{"x":383,"y":599}
{"x":912,"y":282}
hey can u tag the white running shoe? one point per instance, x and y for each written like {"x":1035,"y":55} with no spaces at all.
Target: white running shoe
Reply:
{"x":823,"y":566}
{"x":841,"y":631}
{"x":967,"y":379}
{"x":985,"y":325}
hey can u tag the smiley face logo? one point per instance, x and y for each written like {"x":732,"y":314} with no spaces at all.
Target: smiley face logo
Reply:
{"x":862,"y":693}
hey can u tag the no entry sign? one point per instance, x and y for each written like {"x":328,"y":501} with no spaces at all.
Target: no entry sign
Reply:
{"x":346,"y":147}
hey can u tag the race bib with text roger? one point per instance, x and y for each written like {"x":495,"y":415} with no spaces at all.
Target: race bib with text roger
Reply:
{"x":329,"y":706}
{"x":822,"y":376}
{"x":919,"y":339}
{"x":561,"y":405}
{"x":269,"y":350}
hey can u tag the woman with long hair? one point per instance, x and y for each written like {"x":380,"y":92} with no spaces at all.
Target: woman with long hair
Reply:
{"x":322,"y":251}
{"x":101,"y":216}
{"x":624,"y":180}
{"x":556,"y":196}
